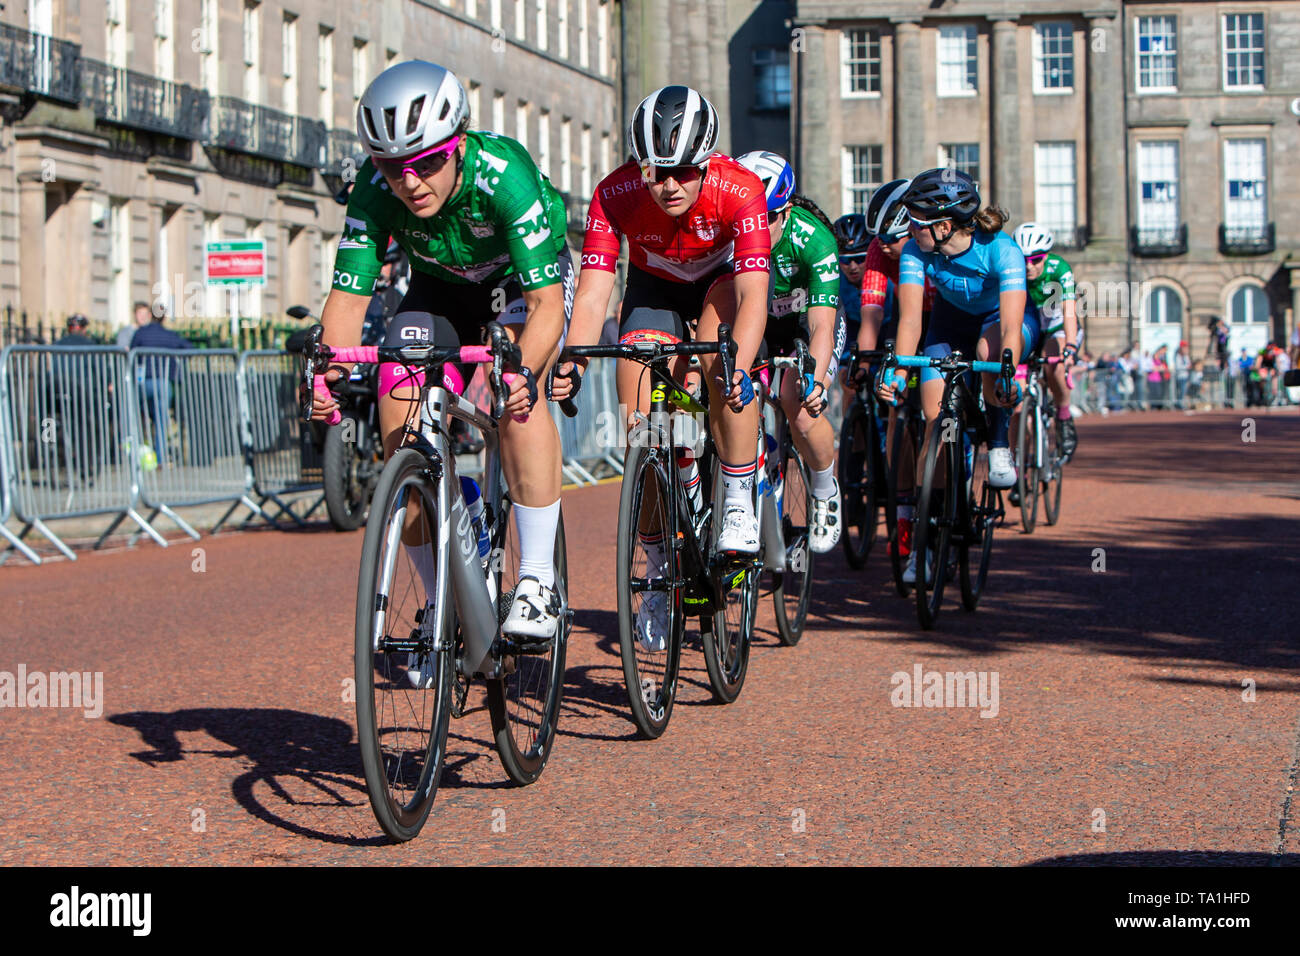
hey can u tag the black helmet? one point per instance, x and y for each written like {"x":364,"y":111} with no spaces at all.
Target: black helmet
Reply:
{"x":886,"y":214}
{"x":673,"y":126}
{"x":851,"y":233}
{"x":943,"y":193}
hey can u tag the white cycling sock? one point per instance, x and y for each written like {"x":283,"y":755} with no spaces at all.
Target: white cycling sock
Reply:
{"x":536,"y":527}
{"x":823,"y":482}
{"x":421,"y":556}
{"x":656,"y":557}
{"x":738,"y":485}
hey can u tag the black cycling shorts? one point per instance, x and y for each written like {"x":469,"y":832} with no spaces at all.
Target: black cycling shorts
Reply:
{"x":654,"y":304}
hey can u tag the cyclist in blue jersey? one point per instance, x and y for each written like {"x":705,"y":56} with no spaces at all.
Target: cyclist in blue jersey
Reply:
{"x":980,"y":306}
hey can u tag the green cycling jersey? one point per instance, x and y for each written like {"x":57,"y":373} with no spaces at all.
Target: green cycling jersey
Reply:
{"x":805,"y":266}
{"x":505,"y":219}
{"x":1049,"y":290}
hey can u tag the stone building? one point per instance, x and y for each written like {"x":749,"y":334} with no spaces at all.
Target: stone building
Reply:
{"x":132,"y":132}
{"x":1156,"y":139}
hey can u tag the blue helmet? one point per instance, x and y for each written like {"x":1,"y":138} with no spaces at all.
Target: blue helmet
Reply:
{"x":776,"y":175}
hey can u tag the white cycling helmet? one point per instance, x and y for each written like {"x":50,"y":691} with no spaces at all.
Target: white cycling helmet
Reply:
{"x":409,"y":108}
{"x":776,"y":175}
{"x":886,"y":214}
{"x":1033,"y":238}
{"x":673,"y":126}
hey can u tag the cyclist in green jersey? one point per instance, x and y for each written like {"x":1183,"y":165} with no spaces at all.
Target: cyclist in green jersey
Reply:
{"x":804,"y":304}
{"x":484,"y":231}
{"x":1050,"y":283}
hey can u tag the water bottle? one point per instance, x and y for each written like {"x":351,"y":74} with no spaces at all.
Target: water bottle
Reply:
{"x":474,"y":504}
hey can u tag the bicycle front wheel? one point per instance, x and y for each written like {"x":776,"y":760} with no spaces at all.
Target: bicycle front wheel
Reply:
{"x":727,"y":635}
{"x":859,"y":484}
{"x":1027,"y":472}
{"x":1054,"y":473}
{"x":650,"y":605}
{"x":524,"y":702}
{"x":792,"y":588}
{"x":979,"y":518}
{"x":403,"y":676}
{"x":932,"y":536}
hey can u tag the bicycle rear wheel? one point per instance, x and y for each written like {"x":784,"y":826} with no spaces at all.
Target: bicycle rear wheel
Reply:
{"x":903,"y":445}
{"x":727,"y":635}
{"x":524,"y":702}
{"x":1055,"y":471}
{"x":932,"y":536}
{"x":792,"y":588}
{"x":859,"y":484}
{"x":401,"y":727}
{"x":1027,"y":470}
{"x":650,"y":605}
{"x":979,"y":518}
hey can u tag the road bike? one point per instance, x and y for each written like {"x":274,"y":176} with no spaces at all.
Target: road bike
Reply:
{"x":417,"y":651}
{"x":863,"y":473}
{"x":955,"y":478}
{"x":1038,"y":447}
{"x":659,"y":514}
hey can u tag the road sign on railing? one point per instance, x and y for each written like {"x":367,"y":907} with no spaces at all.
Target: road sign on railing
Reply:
{"x":237,"y":262}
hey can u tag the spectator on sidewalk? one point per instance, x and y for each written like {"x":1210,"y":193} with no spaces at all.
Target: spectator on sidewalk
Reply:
{"x":142,"y":315}
{"x":155,"y":374}
{"x":1158,"y":377}
{"x":1182,"y":366}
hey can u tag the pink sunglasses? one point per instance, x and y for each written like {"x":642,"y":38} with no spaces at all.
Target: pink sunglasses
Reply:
{"x":422,"y":164}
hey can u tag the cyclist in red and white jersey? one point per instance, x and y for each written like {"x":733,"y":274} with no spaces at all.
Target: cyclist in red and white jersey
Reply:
{"x":698,"y":256}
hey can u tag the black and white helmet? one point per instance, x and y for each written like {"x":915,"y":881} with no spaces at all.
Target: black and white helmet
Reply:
{"x":886,"y":214}
{"x":1033,"y":238}
{"x":673,"y":126}
{"x":409,"y":108}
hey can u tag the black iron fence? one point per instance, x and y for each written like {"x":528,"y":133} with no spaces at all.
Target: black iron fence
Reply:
{"x":261,"y":131}
{"x":36,"y":63}
{"x":142,"y":101}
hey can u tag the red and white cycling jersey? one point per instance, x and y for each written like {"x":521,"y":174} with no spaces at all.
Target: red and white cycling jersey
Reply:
{"x":728,"y":222}
{"x":880,"y":271}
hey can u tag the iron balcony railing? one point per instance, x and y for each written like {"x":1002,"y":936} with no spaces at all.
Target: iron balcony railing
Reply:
{"x":1075,"y":238}
{"x":1251,"y":239}
{"x":261,"y":131}
{"x":1159,"y":241}
{"x":35,"y":63}
{"x":147,"y":102}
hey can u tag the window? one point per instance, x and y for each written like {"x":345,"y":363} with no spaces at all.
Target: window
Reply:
{"x":541,"y":24}
{"x":606,"y":155}
{"x":956,"y":60}
{"x":562,"y":26}
{"x":329,"y":247}
{"x":1053,"y":58}
{"x":471,"y":9}
{"x":1243,"y":51}
{"x":963,"y":157}
{"x":1054,"y":187}
{"x":772,"y":78}
{"x":472,"y":94}
{"x":216,"y":295}
{"x":566,"y":155}
{"x":584,"y":159}
{"x":494,"y":15}
{"x":115,"y":33}
{"x":360,"y":69}
{"x":544,"y":142}
{"x":602,"y":37}
{"x":1162,"y":306}
{"x":521,"y":123}
{"x":861,"y":169}
{"x":498,"y":112}
{"x":325,"y":74}
{"x":584,"y":55}
{"x":209,"y":65}
{"x":119,"y":259}
{"x":289,"y":61}
{"x":1245,"y":187}
{"x":1249,"y":304}
{"x":1157,"y":54}
{"x":521,"y":14}
{"x":1158,"y":189}
{"x":252,"y":51}
{"x":390,"y":57}
{"x":163,"y":57}
{"x":859,"y":62}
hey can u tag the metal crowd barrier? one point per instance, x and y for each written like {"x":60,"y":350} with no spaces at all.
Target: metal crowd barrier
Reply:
{"x":68,"y":427}
{"x":278,"y":445}
{"x":6,"y":502}
{"x":584,"y":439}
{"x":188,"y":409}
